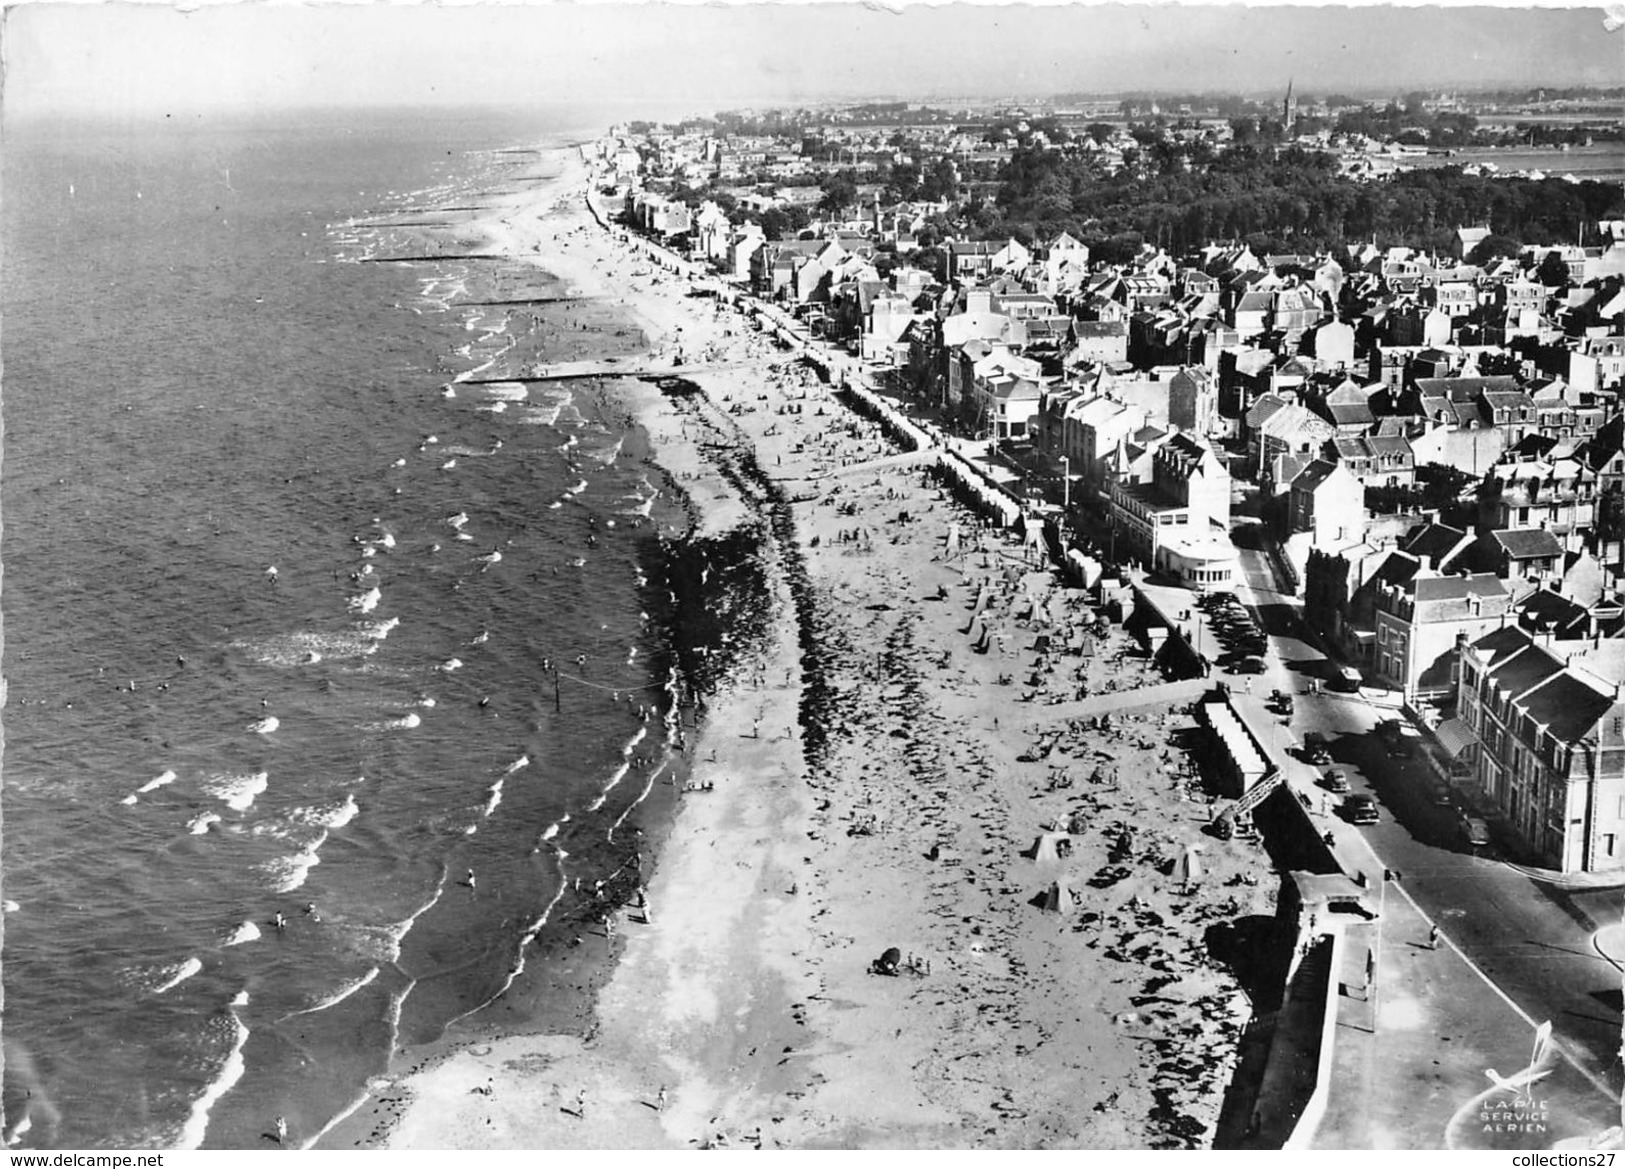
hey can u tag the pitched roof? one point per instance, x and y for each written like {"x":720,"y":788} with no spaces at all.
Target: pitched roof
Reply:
{"x":1502,"y":643}
{"x":1458,"y":588}
{"x":1293,"y":421}
{"x":1433,"y":542}
{"x":1566,"y":706}
{"x":1462,"y":387}
{"x":1528,"y":543}
{"x":1522,"y":668}
{"x":1312,"y":477}
{"x":1548,"y":609}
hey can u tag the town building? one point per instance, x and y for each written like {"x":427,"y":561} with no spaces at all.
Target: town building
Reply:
{"x":1418,"y":623}
{"x":1546,"y":742}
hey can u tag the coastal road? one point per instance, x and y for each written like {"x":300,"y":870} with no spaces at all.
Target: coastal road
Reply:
{"x":1537,"y":941}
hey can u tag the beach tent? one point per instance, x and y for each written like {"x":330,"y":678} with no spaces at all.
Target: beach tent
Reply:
{"x":1189,"y":869}
{"x":1087,"y":569}
{"x":1044,"y":848}
{"x":1060,"y":898}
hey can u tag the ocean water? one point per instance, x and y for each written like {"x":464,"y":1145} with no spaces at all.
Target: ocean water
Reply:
{"x":205,"y":381}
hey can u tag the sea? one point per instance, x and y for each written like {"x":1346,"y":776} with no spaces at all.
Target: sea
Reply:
{"x":343,"y":665}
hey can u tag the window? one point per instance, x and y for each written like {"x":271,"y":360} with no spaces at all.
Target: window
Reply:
{"x":1608,"y":843}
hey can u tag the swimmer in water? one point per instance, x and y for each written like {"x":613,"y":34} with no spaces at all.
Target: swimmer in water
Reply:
{"x":278,"y":922}
{"x":469,"y":880}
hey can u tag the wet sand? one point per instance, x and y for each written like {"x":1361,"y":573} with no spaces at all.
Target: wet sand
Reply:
{"x":872,"y":778}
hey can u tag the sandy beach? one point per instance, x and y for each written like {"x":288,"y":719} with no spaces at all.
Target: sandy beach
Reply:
{"x":876,"y":776}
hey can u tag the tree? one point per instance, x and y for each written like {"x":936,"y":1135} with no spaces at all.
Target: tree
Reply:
{"x":783,"y":222}
{"x":903,"y":184}
{"x":1553,"y":271}
{"x":840,"y":192}
{"x":1493,"y":247}
{"x":940,"y":181}
{"x":1610,"y":517}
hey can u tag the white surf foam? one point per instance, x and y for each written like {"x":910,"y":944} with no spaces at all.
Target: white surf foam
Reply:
{"x":155,"y":784}
{"x":337,"y":996}
{"x":199,"y":824}
{"x":284,"y":874}
{"x":245,"y":932}
{"x":334,"y":814}
{"x":379,"y":630}
{"x":236,"y":791}
{"x":492,"y":801}
{"x":174,"y":976}
{"x":367,"y":601}
{"x":231,"y":1070}
{"x":265,"y":725}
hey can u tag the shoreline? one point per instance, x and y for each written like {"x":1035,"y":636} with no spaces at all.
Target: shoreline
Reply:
{"x":873,"y":782}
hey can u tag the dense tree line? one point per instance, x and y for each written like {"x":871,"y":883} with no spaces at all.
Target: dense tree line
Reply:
{"x":1282,"y":201}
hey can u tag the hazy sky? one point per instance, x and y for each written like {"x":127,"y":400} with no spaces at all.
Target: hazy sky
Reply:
{"x":155,"y":57}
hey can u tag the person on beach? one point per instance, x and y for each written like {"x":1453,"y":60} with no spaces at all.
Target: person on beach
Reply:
{"x":581,"y":1104}
{"x":660,"y":1099}
{"x":282,"y":1130}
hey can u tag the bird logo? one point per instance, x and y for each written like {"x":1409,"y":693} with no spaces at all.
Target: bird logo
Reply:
{"x":1521,"y":1084}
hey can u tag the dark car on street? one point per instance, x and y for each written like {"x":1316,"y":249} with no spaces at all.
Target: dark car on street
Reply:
{"x":1336,"y":781}
{"x":1361,"y":810}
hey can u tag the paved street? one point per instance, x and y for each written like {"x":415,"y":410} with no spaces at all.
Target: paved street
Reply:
{"x":1537,"y":943}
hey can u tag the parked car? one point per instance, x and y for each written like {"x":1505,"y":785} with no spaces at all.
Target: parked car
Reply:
{"x":1281,"y":700}
{"x":1476,"y":831}
{"x":1347,"y":679}
{"x":1249,"y":666}
{"x":1361,"y":810}
{"x":1336,"y":781}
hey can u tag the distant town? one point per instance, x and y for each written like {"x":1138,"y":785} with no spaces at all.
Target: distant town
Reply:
{"x":1365,"y":355}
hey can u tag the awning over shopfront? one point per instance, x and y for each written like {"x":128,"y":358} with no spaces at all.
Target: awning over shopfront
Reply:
{"x":1455,"y":736}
